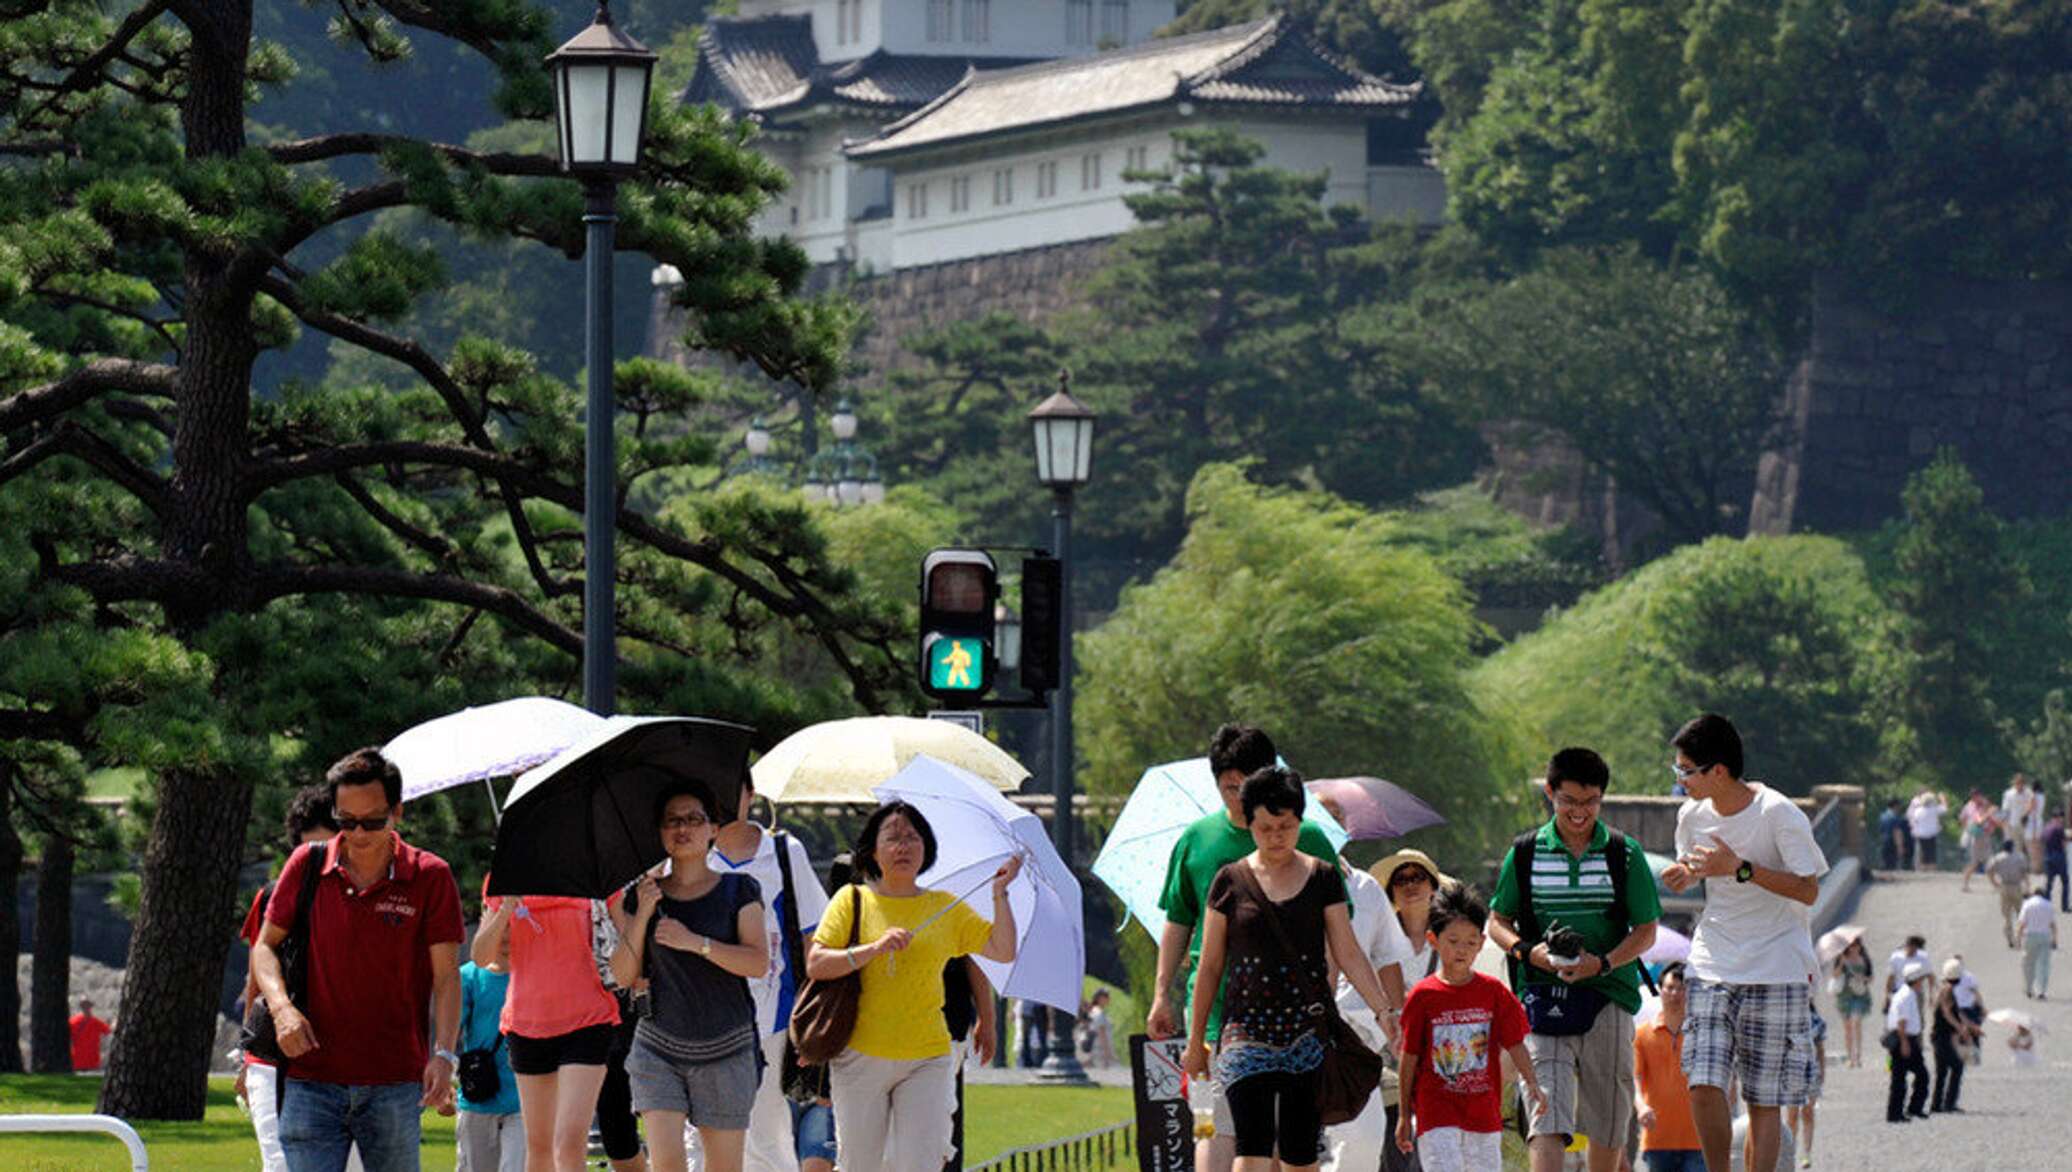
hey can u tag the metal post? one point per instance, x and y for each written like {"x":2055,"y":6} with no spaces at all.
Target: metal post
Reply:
{"x":600,"y":461}
{"x":1063,"y":1063}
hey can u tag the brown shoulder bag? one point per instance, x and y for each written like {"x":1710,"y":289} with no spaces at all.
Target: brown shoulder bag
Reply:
{"x":825,"y":1013}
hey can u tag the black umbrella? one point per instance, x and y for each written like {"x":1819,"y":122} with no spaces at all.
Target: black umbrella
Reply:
{"x":584,"y":823}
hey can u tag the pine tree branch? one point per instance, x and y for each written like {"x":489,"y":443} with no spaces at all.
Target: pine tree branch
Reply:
{"x":67,"y":438}
{"x":281,"y":581}
{"x":161,"y":326}
{"x":438,"y":548}
{"x":87,"y":73}
{"x":82,"y":385}
{"x":334,"y":146}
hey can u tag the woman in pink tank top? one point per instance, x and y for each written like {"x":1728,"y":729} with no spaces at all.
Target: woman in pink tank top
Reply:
{"x":557,"y":1020}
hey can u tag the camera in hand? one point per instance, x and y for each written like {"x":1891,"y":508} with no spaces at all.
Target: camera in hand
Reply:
{"x":1565,"y":946}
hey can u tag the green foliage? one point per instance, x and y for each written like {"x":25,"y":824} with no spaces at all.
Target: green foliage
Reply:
{"x":1297,"y":612}
{"x":1954,"y":583}
{"x":2045,"y":750}
{"x":1782,"y":634}
{"x":1652,"y":374}
{"x":1501,"y":558}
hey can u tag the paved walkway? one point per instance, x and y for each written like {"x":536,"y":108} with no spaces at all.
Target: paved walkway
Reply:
{"x":2012,"y":1119}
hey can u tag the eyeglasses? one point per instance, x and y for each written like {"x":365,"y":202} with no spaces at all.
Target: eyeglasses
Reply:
{"x":1568,"y":803}
{"x":686,"y":822}
{"x":345,"y":823}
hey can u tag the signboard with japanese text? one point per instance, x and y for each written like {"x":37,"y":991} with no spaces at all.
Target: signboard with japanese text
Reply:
{"x":1165,"y":1122}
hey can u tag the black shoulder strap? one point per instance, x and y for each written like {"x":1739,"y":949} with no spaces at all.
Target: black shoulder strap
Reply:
{"x":1522,"y":849}
{"x":306,"y":895}
{"x":1618,"y":860}
{"x":794,"y":948}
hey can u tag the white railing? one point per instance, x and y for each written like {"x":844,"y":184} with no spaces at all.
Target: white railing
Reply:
{"x":107,"y":1124}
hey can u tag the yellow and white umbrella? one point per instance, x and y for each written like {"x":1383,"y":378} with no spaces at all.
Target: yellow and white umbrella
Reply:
{"x":840,"y":760}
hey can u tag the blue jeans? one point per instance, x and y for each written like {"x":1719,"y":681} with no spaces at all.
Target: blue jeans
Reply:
{"x":1676,"y":1161}
{"x":815,"y":1126}
{"x":320,"y":1121}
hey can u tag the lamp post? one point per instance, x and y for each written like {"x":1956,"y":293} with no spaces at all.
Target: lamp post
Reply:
{"x":601,"y":78}
{"x":846,"y":474}
{"x":1064,"y":434}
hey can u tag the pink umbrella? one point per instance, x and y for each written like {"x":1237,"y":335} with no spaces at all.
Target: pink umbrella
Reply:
{"x":1369,"y":807}
{"x":1669,"y":945}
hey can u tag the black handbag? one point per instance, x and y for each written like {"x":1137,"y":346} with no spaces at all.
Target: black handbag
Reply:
{"x":256,"y":1035}
{"x":480,"y":1081}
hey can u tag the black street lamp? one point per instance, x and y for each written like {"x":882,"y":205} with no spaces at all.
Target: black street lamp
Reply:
{"x":1064,"y":434}
{"x":601,"y":80}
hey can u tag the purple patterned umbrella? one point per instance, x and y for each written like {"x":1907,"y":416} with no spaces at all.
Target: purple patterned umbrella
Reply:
{"x":1369,"y":807}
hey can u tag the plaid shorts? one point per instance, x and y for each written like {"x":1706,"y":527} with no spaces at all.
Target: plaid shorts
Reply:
{"x":1759,"y":1034}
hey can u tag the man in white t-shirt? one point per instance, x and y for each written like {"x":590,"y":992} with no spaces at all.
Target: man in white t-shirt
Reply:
{"x":743,"y":847}
{"x":1915,"y":948}
{"x":1752,"y":962}
{"x":2039,"y":928}
{"x":1924,"y":821}
{"x":2021,"y":809}
{"x":1360,"y":1142}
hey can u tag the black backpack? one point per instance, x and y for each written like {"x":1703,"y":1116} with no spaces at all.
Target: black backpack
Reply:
{"x":1529,"y":928}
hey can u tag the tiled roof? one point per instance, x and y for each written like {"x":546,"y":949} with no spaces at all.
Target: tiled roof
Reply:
{"x":1259,"y":64}
{"x":770,"y":65}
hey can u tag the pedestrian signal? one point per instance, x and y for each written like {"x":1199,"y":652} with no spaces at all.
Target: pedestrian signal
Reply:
{"x":959,"y":588}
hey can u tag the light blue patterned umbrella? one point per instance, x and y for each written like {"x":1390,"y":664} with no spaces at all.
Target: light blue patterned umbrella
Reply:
{"x":1167,"y":800}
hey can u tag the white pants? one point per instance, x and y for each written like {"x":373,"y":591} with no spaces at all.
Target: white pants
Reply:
{"x":1450,"y":1149}
{"x":771,"y":1145}
{"x":484,"y":1141}
{"x":891,"y":1116}
{"x":1356,"y":1145}
{"x":263,"y":1096}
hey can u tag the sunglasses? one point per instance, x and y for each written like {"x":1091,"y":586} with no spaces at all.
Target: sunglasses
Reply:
{"x":1686,"y":771}
{"x":1405,"y":878}
{"x":345,"y":823}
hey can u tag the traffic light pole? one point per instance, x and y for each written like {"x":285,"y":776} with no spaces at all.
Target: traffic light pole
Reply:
{"x":1062,"y":1065}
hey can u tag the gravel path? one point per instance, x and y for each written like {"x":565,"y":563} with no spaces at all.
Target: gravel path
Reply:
{"x":2012,"y":1117}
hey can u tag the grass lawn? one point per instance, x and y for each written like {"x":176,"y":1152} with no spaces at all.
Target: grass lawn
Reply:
{"x":998,"y":1118}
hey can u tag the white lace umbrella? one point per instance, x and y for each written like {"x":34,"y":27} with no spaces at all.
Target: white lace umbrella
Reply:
{"x":494,"y":740}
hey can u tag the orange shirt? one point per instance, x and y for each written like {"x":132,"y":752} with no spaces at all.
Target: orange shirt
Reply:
{"x":1658,"y":1067}
{"x":555,"y":988}
{"x":87,"y":1032}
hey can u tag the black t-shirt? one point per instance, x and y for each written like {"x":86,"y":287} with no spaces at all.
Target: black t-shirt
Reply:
{"x":1269,"y":996}
{"x":701,"y":1012}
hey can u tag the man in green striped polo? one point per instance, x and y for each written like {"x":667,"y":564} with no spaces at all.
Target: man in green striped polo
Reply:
{"x":1581,"y":1002}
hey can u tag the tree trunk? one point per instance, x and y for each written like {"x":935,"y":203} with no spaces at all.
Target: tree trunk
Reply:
{"x":50,"y":972}
{"x":10,"y":927}
{"x":158,"y":1062}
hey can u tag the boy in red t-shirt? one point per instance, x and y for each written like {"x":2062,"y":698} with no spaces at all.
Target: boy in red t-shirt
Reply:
{"x":1455,"y":1022}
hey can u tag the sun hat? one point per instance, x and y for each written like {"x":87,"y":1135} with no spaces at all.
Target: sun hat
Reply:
{"x":1386,"y":869}
{"x":1952,"y":969}
{"x":1916,"y":970}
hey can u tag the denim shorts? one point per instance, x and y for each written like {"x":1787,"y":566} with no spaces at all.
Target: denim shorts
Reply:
{"x":717,"y":1094}
{"x":814,"y":1124}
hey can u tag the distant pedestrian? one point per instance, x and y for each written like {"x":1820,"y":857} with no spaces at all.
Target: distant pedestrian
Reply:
{"x":1924,"y":823}
{"x":1947,"y":1033}
{"x":1971,"y":1004}
{"x":1852,"y":973}
{"x":87,"y":1033}
{"x":1100,"y":1033}
{"x":2054,"y":862}
{"x":1276,"y":924}
{"x":1799,"y":1120}
{"x":1903,"y":1024}
{"x":1035,"y":1023}
{"x":372,"y":1042}
{"x":1892,"y":837}
{"x":489,"y":1132}
{"x":2039,"y":926}
{"x":1668,"y":1135}
{"x":1912,"y":949}
{"x":696,"y":936}
{"x":1455,"y":1024}
{"x":1752,"y":962}
{"x":892,"y":1083}
{"x":1980,"y":822}
{"x":2021,"y":808}
{"x":2009,"y":875}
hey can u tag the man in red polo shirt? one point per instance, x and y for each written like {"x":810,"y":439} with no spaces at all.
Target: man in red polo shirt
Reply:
{"x":384,"y":947}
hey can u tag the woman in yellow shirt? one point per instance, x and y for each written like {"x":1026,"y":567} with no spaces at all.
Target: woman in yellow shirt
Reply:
{"x":892,"y":1084}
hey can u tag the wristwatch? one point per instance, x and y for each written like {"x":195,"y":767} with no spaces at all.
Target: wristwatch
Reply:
{"x":1744,"y":872}
{"x":704,"y":946}
{"x":1604,"y":963}
{"x":451,"y":1058}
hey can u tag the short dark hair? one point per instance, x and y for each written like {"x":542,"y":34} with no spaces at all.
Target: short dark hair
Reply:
{"x":1674,"y":968}
{"x":1579,"y":765}
{"x":689,"y":787}
{"x":1242,"y":748}
{"x":865,"y":856}
{"x":365,"y":767}
{"x":1711,"y":740}
{"x":308,"y":809}
{"x":1275,"y":789}
{"x":1456,"y":901}
{"x":1917,"y":942}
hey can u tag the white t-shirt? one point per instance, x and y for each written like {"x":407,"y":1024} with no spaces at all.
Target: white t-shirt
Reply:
{"x":1966,"y":991}
{"x":2035,"y":917}
{"x":2023,"y":808}
{"x":1897,"y":963}
{"x":1925,"y":816}
{"x":1905,"y":1012}
{"x":1380,"y":935}
{"x":776,"y":989}
{"x":1746,"y":935}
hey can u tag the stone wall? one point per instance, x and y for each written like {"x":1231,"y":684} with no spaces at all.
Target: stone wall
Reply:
{"x":1983,"y":367}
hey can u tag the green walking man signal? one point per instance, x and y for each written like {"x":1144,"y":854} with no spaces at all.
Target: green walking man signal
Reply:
{"x":959,"y":588}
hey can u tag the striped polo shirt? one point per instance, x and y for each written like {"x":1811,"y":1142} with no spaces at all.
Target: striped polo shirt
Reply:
{"x":1576,"y":892}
